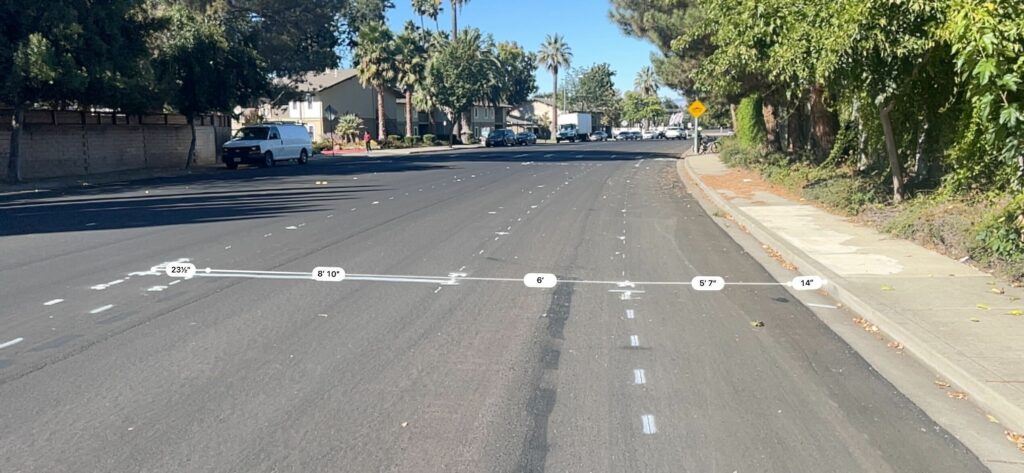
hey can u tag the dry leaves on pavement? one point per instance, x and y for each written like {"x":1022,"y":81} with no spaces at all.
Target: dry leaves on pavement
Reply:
{"x":957,"y":395}
{"x":1015,"y":438}
{"x":896,"y":346}
{"x":940,"y":383}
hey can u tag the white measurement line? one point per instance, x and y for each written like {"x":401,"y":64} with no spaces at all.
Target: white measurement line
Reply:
{"x":639,"y":377}
{"x":52,"y":302}
{"x":649,"y":427}
{"x":634,"y":341}
{"x":101,"y":309}
{"x":629,"y":313}
{"x":12,"y":342}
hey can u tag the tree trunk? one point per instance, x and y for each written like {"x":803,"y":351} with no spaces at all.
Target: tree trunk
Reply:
{"x":466,"y":129}
{"x":381,"y":129}
{"x":795,"y":131}
{"x":554,"y":105}
{"x":455,"y":22}
{"x":771,"y":126}
{"x":823,"y":124}
{"x":192,"y":144}
{"x":732,"y":116}
{"x":920,"y":154}
{"x":433,"y":122}
{"x":14,"y":158}
{"x":408,"y":112}
{"x":898,"y":191}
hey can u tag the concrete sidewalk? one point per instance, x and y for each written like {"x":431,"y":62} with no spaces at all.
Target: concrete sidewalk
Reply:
{"x":958,"y":321}
{"x":402,"y":151}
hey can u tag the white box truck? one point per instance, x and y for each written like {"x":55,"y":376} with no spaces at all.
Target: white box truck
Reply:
{"x":574,"y":127}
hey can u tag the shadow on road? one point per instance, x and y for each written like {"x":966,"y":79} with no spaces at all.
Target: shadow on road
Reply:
{"x":251,"y":193}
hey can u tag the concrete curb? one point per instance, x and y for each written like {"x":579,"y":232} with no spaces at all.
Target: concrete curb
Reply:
{"x":1010,"y":415}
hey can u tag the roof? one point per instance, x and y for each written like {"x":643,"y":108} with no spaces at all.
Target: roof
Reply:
{"x":317,"y":81}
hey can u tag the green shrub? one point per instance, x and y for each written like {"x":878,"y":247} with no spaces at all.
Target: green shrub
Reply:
{"x":737,"y":154}
{"x":849,"y":194}
{"x":429,"y":139}
{"x":410,"y":141}
{"x":750,"y":128}
{"x":999,"y":238}
{"x":321,"y":145}
{"x":393,"y":141}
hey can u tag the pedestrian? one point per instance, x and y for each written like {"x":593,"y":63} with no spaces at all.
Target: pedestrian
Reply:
{"x":366,"y":139}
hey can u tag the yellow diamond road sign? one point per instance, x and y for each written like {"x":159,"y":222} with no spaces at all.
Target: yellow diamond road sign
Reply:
{"x":697,"y":109}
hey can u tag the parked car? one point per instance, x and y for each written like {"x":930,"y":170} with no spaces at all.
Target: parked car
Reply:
{"x":635,"y":135}
{"x":526,"y":138}
{"x":648,"y":135}
{"x":500,"y":138}
{"x":267,"y":144}
{"x":599,"y":136}
{"x":623,"y":136}
{"x":674,"y":133}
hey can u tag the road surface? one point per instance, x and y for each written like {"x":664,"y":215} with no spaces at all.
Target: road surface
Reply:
{"x":109,"y":366}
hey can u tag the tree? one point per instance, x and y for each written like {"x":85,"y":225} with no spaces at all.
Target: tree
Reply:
{"x":410,"y":66}
{"x":355,"y":14}
{"x":201,"y":69}
{"x":647,"y":82}
{"x":514,"y":71}
{"x":376,"y":67}
{"x":638,"y":108}
{"x":554,"y":54}
{"x":75,"y":52}
{"x":424,"y":102}
{"x":455,"y":4}
{"x":596,"y":88}
{"x":348,"y":127}
{"x":427,"y":8}
{"x":457,"y":74}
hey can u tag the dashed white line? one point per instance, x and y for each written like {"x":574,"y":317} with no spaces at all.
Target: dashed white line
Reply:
{"x":100,"y":287}
{"x":54,"y":301}
{"x":176,"y":281}
{"x":634,"y":341}
{"x":649,"y":426}
{"x":639,"y":377}
{"x":822,"y":306}
{"x":101,"y":309}
{"x":12,"y":342}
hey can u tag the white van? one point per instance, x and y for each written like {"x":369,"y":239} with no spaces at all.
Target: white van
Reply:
{"x":268,"y":143}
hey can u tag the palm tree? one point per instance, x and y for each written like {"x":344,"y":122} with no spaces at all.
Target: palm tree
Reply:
{"x":455,"y":4}
{"x":647,"y":82}
{"x":427,"y":8}
{"x":424,"y":102}
{"x":410,"y":66}
{"x":554,"y":53}
{"x":376,"y":64}
{"x":348,"y":126}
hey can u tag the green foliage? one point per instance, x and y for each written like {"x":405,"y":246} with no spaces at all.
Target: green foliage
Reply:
{"x":512,"y":73}
{"x":393,"y":141}
{"x":647,"y":82}
{"x":1000,"y":234}
{"x":847,"y":194}
{"x":429,"y":139}
{"x":410,"y":141}
{"x":457,"y":73}
{"x":637,"y":108}
{"x":750,"y":121}
{"x":348,"y":127}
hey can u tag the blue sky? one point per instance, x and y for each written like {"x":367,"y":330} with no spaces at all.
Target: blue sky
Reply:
{"x":584,"y":23}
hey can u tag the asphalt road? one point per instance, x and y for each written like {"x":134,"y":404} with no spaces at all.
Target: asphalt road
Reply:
{"x":119,"y":370}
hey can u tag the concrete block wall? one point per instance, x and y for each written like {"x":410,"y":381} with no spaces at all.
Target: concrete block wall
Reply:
{"x":69,"y":150}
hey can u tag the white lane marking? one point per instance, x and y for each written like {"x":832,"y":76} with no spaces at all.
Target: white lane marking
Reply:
{"x":90,"y":224}
{"x":156,"y":288}
{"x":100,"y":287}
{"x":481,"y":252}
{"x":648,"y":424}
{"x":101,"y":309}
{"x":353,"y":209}
{"x":11,"y":343}
{"x":823,"y":306}
{"x":522,"y":155}
{"x":462,"y":268}
{"x":375,"y":202}
{"x":437,"y":290}
{"x":330,"y":216}
{"x":491,"y":213}
{"x":639,"y":377}
{"x":634,"y":340}
{"x":267,"y":235}
{"x":630,"y":314}
{"x":176,"y":281}
{"x":291,"y":227}
{"x":227,"y":247}
{"x":501,"y":233}
{"x":54,"y":301}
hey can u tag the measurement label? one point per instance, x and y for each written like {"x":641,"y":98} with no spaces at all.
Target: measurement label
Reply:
{"x":542,"y":280}
{"x":180,"y":270}
{"x":807,"y":283}
{"x":328,"y":273}
{"x":707,"y":283}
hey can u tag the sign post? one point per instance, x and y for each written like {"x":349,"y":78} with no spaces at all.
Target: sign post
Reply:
{"x":696,"y":109}
{"x":330,"y":114}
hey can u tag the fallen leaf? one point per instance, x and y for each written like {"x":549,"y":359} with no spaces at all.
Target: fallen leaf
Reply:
{"x":888,"y":288}
{"x":996,"y":290}
{"x":983,"y":306}
{"x":896,"y":345}
{"x":975,"y":319}
{"x":1015,"y":438}
{"x":756,"y":323}
{"x":404,"y":424}
{"x":940,"y":383}
{"x":1016,"y":312}
{"x":992,"y":419}
{"x":957,"y":395}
